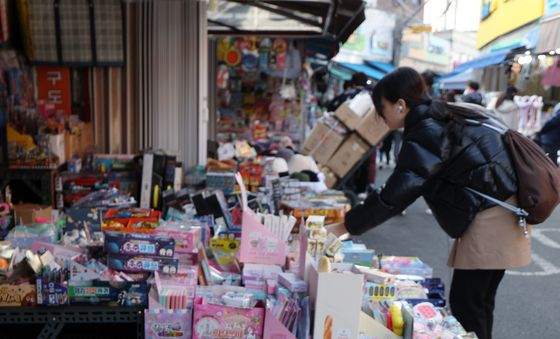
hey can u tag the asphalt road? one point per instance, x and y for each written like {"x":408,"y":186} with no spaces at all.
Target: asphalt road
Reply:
{"x":528,"y":300}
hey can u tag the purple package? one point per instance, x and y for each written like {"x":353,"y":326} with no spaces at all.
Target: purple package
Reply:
{"x":139,"y":244}
{"x":161,"y":323}
{"x":126,"y":263}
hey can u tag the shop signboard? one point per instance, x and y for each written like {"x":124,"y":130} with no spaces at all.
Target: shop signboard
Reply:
{"x":551,"y":6}
{"x":54,"y":87}
{"x":373,"y":40}
{"x":427,"y":48}
{"x":499,"y":17}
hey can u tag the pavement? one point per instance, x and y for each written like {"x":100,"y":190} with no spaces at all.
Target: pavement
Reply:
{"x":528,"y":299}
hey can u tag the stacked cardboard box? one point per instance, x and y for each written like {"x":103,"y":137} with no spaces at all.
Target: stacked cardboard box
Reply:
{"x":338,"y":143}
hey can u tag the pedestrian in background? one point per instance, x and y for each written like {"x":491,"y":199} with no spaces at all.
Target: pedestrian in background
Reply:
{"x":439,"y":159}
{"x":352,"y":87}
{"x":506,"y":108}
{"x":549,"y":135}
{"x":472,"y":95}
{"x":385,"y":150}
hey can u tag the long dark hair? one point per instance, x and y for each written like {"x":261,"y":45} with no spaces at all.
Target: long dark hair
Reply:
{"x":507,"y":95}
{"x":403,"y":83}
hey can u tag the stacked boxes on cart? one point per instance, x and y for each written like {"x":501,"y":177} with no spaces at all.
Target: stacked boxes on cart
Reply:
{"x":341,"y":140}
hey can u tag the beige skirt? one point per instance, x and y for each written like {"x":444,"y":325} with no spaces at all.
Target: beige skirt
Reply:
{"x":493,"y":240}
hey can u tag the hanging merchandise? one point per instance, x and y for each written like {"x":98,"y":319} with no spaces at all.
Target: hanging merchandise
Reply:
{"x":280,"y":47}
{"x":264,"y":50}
{"x":222,"y":80}
{"x":530,"y":120}
{"x":250,"y":55}
{"x":551,"y":76}
{"x":232,"y":55}
{"x":258,"y":85}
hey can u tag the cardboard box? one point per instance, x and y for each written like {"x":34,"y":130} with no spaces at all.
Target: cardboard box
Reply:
{"x":17,"y":295}
{"x":330,"y":178}
{"x":353,"y":111}
{"x":336,"y":313}
{"x":29,"y":213}
{"x":373,"y":329}
{"x":76,"y":144}
{"x":372,"y":127}
{"x":323,"y":142}
{"x":351,"y":151}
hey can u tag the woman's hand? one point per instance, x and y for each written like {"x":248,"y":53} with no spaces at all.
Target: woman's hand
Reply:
{"x":339,"y":230}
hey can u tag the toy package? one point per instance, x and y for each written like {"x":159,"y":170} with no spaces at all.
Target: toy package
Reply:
{"x":17,"y":295}
{"x":161,"y":323}
{"x":139,"y":244}
{"x":123,"y":293}
{"x":142,"y":263}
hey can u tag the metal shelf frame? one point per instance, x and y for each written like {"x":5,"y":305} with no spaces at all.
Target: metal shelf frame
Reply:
{"x":54,"y":318}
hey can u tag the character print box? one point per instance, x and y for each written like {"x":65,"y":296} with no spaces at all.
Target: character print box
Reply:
{"x":141,"y":264}
{"x":217,"y":321}
{"x":139,"y":244}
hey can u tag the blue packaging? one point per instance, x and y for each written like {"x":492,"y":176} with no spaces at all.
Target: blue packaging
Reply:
{"x":139,"y":244}
{"x":141,"y":264}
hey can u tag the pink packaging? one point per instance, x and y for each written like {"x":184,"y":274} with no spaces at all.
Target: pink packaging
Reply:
{"x":216,"y":321}
{"x":186,"y":241}
{"x":160,"y":323}
{"x":274,"y":329}
{"x":258,"y":244}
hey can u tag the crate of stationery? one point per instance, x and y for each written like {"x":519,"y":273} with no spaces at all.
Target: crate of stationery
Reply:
{"x":132,"y":220}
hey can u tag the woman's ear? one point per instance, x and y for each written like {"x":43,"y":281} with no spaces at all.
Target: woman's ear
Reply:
{"x":401,"y":106}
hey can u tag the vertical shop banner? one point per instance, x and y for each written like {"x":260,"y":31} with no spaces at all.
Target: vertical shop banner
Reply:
{"x":54,"y":87}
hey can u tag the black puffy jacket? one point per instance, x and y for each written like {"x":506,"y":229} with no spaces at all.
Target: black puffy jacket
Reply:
{"x":430,"y":166}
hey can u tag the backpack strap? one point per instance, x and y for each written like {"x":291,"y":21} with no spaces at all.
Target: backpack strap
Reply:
{"x":502,"y":128}
{"x":520,"y":212}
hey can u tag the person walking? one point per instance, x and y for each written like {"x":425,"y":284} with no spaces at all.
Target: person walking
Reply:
{"x":506,"y":108}
{"x":440,"y":158}
{"x":385,"y":150}
{"x":549,"y":135}
{"x":472,"y":95}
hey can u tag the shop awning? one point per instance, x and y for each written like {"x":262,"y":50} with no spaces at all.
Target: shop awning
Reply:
{"x":369,"y":71}
{"x":382,"y":66}
{"x":485,"y":60}
{"x":340,"y":73}
{"x":455,"y":79}
{"x":334,"y":20}
{"x":549,"y":36}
